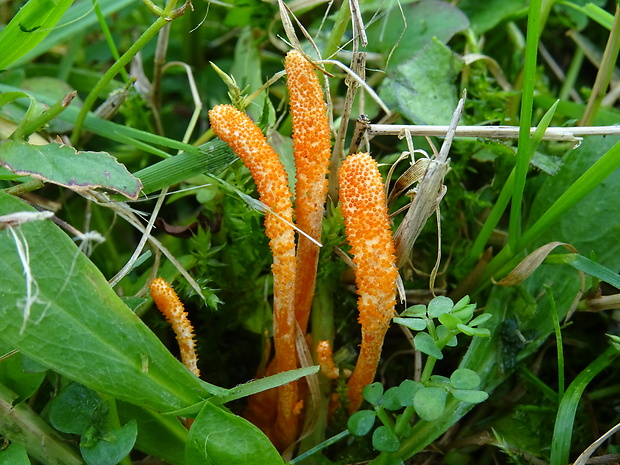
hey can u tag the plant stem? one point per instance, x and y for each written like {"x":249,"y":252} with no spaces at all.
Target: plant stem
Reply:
{"x":525,"y":122}
{"x":605,"y":72}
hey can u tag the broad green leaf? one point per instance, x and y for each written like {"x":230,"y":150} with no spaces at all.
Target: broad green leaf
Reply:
{"x":64,"y":315}
{"x":464,"y":378}
{"x":425,"y":344}
{"x":429,"y":403}
{"x":218,"y":437}
{"x":384,"y":440}
{"x":28,"y":27}
{"x":112,"y":448}
{"x":423,"y":88}
{"x":425,"y":20}
{"x":360,"y":423}
{"x":14,"y":377}
{"x":15,"y":454}
{"x":63,"y":165}
{"x":373,"y":393}
{"x":493,"y":12}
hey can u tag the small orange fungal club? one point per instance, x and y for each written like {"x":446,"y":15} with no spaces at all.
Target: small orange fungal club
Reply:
{"x":367,"y":227}
{"x":312,"y":152}
{"x":326,"y":360}
{"x":248,"y":142}
{"x":171,"y":307}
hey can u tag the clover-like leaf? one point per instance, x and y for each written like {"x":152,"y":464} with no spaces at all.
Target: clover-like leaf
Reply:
{"x":406,"y":390}
{"x":373,"y":393}
{"x":427,"y":345}
{"x":480,"y":319}
{"x":416,"y":324}
{"x":461,"y":304}
{"x":464,"y":314}
{"x":415,"y":310}
{"x":430,"y":402}
{"x":472,"y":397}
{"x":384,"y":440}
{"x":360,"y":423}
{"x":464,"y":378}
{"x":390,"y":400}
{"x":450,"y":321}
{"x":481,"y":332}
{"x":440,"y":305}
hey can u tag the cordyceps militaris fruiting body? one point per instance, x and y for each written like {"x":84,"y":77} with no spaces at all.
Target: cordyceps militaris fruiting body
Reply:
{"x":367,"y":226}
{"x":312,"y":151}
{"x":248,"y":142}
{"x":168,"y":303}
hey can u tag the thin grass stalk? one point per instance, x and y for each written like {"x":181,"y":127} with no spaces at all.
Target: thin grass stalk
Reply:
{"x":605,"y":72}
{"x":525,"y":123}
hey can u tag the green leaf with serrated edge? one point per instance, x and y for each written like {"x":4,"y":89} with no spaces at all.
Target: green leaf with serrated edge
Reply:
{"x":76,"y":408}
{"x":384,"y":440}
{"x":480,"y":319}
{"x":373,"y":393}
{"x":219,"y":437}
{"x":360,"y":423}
{"x":28,"y":27}
{"x":63,"y":165}
{"x":415,"y":310}
{"x":406,"y":391}
{"x":416,"y":324}
{"x":113,"y":447}
{"x":440,"y":305}
{"x":425,"y":344}
{"x":449,"y":321}
{"x":78,"y":326}
{"x":429,"y":403}
{"x":472,"y":397}
{"x":464,"y":378}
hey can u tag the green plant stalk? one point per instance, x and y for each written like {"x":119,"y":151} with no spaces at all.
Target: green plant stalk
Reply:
{"x":562,"y":433}
{"x":404,"y":420}
{"x":323,"y":445}
{"x":527,"y":102}
{"x":605,"y":72}
{"x":114,"y":422}
{"x":340,"y":27}
{"x":29,"y":126}
{"x":571,"y":75}
{"x":384,"y":417}
{"x":607,"y":164}
{"x":534,"y":380}
{"x":108,"y":38}
{"x":113,"y":71}
{"x":558,"y":339}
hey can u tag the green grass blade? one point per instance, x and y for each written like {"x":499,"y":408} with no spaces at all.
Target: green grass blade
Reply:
{"x":563,"y":431}
{"x":214,"y":156}
{"x":527,"y":101}
{"x":32,"y":23}
{"x":78,"y":19}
